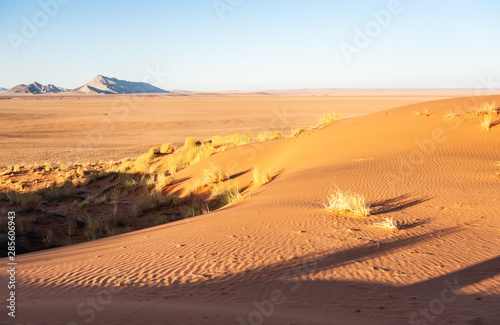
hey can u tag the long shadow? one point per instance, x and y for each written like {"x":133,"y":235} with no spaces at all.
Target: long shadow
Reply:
{"x":394,"y":204}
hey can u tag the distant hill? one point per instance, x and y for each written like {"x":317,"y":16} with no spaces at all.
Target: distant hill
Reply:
{"x":105,"y":85}
{"x":3,"y":89}
{"x":35,"y":88}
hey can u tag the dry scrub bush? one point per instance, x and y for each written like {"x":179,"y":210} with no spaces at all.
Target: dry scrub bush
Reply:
{"x":451,"y":117}
{"x":347,"y":202}
{"x":29,"y":200}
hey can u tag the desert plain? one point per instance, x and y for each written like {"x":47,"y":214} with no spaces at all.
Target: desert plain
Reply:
{"x":239,"y":230}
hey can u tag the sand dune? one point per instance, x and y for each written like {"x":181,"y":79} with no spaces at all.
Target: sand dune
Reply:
{"x":277,"y":257}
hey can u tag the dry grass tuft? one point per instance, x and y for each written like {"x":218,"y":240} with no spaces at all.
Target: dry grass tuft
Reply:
{"x":167,"y":148}
{"x":388,"y":224}
{"x":140,"y":206}
{"x":224,"y":194}
{"x":213,"y":175}
{"x":451,"y":117}
{"x":486,"y":123}
{"x":263,"y":177}
{"x":344,"y":202}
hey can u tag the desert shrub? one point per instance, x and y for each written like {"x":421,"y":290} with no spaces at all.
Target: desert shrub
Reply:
{"x":262,"y":177}
{"x":347,"y":202}
{"x":190,"y":143}
{"x":328,"y":118}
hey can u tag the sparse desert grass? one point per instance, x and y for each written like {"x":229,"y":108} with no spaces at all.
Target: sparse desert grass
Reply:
{"x":71,"y":227}
{"x":167,"y":148}
{"x":195,"y":186}
{"x":296,"y":131}
{"x":328,"y":118}
{"x":269,"y":135}
{"x":213,"y":175}
{"x":16,"y":168}
{"x":486,"y":109}
{"x":486,"y":123}
{"x":451,"y":117}
{"x":263,"y":177}
{"x":344,"y":202}
{"x":388,"y":223}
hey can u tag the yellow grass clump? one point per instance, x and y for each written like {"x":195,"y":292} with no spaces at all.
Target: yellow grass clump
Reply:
{"x":387,"y":224}
{"x":263,"y":177}
{"x":486,"y":123}
{"x":167,"y":148}
{"x":296,"y":131}
{"x":269,"y":135}
{"x":328,"y":118}
{"x":345,"y":202}
{"x":486,"y":109}
{"x":213,"y":175}
{"x":236,"y":139}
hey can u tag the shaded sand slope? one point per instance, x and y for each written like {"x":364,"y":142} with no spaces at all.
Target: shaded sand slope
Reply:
{"x":436,"y":178}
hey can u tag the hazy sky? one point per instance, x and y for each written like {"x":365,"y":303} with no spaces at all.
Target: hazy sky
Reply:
{"x":251,"y":44}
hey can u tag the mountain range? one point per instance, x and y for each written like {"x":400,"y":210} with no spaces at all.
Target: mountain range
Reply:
{"x":98,"y":85}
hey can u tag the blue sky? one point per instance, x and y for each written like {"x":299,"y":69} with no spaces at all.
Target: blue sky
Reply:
{"x":251,"y":44}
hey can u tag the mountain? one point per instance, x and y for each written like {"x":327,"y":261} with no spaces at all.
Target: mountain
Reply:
{"x":105,"y":85}
{"x":35,"y":88}
{"x":3,"y":89}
